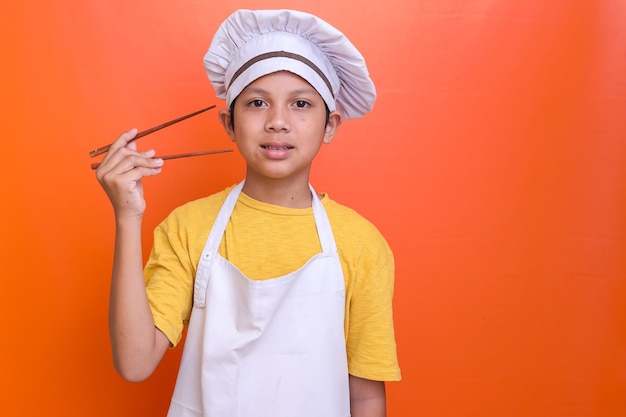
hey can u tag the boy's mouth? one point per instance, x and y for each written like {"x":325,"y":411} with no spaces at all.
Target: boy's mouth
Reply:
{"x":276,"y":148}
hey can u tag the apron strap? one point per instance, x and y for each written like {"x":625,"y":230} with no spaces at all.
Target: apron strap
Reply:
{"x":212,"y":246}
{"x":324,"y":231}
{"x":217,"y":231}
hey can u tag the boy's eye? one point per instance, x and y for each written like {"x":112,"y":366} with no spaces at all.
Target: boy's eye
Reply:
{"x":301,"y":103}
{"x":257,"y":103}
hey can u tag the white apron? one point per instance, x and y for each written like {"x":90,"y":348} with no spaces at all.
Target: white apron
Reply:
{"x":271,"y":348}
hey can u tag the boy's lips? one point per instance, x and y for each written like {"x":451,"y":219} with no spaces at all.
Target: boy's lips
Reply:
{"x":276,"y":150}
{"x":276,"y":147}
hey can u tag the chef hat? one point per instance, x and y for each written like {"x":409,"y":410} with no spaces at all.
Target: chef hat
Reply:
{"x":250,"y":44}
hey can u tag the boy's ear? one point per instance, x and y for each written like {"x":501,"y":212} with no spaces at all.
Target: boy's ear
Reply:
{"x":226,"y":122}
{"x":334,"y":121}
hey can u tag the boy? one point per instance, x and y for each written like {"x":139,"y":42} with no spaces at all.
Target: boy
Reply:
{"x":287,"y":294}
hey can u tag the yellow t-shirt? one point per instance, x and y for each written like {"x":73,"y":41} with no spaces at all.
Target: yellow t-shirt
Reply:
{"x":267,"y":241}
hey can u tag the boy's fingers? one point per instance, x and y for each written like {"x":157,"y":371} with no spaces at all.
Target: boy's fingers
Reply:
{"x":124,"y":140}
{"x":130,"y":133}
{"x":124,"y":160}
{"x":132,"y":144}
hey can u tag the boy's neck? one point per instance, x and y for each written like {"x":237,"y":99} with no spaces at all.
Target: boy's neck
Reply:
{"x":292,"y":194}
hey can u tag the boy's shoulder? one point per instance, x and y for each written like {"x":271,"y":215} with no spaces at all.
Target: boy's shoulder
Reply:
{"x":209,"y":204}
{"x":340,"y":211}
{"x":348,"y":223}
{"x":197,"y":212}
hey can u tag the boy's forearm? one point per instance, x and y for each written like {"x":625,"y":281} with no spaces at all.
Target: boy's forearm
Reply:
{"x":367,"y":398}
{"x":137,"y":345}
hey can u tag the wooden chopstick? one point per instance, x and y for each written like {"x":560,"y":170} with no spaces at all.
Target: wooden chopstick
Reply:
{"x":103,"y":149}
{"x":180,"y":155}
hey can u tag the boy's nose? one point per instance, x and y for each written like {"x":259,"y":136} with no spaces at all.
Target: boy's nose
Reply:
{"x":277,"y":119}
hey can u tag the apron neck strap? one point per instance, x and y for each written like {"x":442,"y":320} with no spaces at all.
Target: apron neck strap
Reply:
{"x":324,"y":231}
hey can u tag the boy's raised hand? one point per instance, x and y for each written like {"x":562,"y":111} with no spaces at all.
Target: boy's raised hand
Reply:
{"x":120,"y":175}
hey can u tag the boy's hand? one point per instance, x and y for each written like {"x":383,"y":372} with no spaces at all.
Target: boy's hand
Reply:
{"x":120,"y":175}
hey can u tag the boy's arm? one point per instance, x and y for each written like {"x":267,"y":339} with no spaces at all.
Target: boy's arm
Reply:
{"x":367,"y":398}
{"x":137,"y":344}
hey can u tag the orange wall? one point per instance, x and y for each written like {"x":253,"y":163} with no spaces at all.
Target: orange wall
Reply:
{"x":494,"y":162}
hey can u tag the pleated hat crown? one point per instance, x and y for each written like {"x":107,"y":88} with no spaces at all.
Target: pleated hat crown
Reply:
{"x":252,"y":43}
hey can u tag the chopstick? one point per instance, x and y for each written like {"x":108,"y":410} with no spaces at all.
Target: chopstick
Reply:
{"x":103,"y":149}
{"x":180,"y":155}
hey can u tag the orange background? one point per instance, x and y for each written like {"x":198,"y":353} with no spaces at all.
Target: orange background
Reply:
{"x":494,"y":162}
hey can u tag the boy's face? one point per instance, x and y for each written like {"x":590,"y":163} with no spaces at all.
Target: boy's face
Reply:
{"x":280,"y":126}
